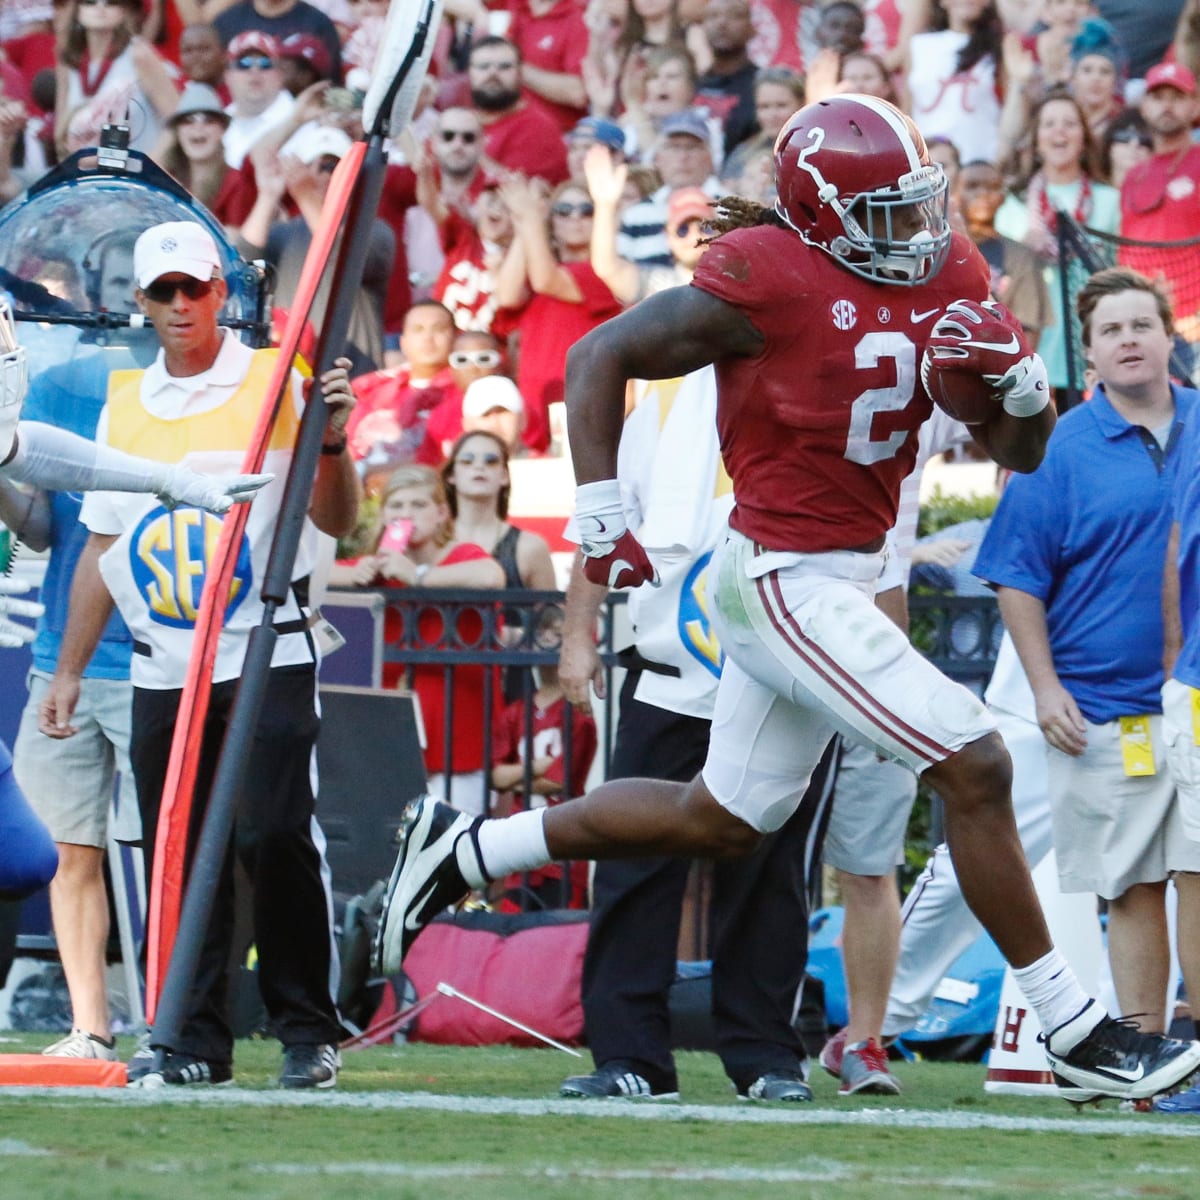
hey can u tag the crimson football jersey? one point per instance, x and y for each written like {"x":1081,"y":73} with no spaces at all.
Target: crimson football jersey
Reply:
{"x":818,"y":431}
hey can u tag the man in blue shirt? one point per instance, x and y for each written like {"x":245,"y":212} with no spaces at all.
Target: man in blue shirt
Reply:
{"x":1076,"y":551}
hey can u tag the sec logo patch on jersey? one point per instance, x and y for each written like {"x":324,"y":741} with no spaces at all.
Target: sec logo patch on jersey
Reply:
{"x":169,"y":555}
{"x":845,"y":315}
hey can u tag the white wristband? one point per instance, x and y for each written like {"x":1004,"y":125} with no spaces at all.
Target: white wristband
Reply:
{"x":599,"y":516}
{"x":1026,"y":387}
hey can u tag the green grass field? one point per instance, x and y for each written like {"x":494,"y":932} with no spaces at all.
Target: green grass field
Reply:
{"x":437,"y":1123}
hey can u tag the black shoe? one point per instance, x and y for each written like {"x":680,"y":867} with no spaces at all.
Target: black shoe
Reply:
{"x":614,"y":1081}
{"x":141,"y":1062}
{"x":425,"y":880}
{"x":1097,"y":1055}
{"x":308,"y":1065}
{"x":788,"y":1086}
{"x":185,"y":1070}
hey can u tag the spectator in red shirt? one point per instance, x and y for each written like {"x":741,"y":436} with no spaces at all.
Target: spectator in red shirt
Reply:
{"x":474,"y":250}
{"x":1159,"y":198}
{"x":430,"y":557}
{"x":547,"y":278}
{"x":495,"y":408}
{"x":547,"y":752}
{"x":552,"y":39}
{"x":387,"y":428}
{"x":519,"y":135}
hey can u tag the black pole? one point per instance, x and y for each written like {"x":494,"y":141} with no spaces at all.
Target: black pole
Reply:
{"x":205,"y":875}
{"x":1063,"y":238}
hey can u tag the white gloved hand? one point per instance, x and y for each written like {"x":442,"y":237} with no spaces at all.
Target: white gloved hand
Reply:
{"x":184,"y":487}
{"x":12,"y":633}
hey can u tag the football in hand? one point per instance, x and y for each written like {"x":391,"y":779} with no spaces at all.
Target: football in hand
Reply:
{"x":960,"y":393}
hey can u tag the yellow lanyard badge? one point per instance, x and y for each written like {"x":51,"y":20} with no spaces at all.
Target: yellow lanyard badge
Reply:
{"x":1195,"y":715}
{"x":1137,"y":750}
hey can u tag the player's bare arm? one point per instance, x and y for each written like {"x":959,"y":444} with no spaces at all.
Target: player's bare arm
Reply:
{"x":668,"y":334}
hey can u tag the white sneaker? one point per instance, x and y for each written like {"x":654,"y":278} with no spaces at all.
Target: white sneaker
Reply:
{"x":81,"y":1044}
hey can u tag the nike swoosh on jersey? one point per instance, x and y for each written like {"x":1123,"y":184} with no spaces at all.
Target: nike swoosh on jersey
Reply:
{"x":916,"y":318}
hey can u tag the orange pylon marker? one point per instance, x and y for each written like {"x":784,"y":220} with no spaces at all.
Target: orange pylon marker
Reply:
{"x":47,"y":1070}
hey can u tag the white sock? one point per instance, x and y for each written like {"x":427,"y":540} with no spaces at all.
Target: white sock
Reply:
{"x":1052,"y":989}
{"x":516,"y":843}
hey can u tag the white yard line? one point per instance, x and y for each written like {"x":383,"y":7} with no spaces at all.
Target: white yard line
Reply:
{"x":1103,"y":1124}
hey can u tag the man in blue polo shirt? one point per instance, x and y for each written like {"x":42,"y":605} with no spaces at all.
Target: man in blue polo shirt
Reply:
{"x":1076,"y":551}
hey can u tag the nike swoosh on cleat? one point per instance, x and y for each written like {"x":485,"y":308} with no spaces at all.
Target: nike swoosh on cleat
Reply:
{"x":916,"y":317}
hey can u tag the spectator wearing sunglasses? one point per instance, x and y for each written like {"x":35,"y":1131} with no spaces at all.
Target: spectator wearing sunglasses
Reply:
{"x":456,"y":148}
{"x":192,"y":150}
{"x":302,"y":171}
{"x":495,"y":408}
{"x":518,"y":134}
{"x":105,"y":71}
{"x":280,"y":19}
{"x":260,"y":101}
{"x":552,"y":294}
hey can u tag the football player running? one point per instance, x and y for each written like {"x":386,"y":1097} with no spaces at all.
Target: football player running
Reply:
{"x":816,"y":315}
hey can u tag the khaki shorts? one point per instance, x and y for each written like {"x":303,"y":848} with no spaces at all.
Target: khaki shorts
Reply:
{"x":69,"y":783}
{"x":1112,"y":830}
{"x":808,"y":655}
{"x":872,"y":800}
{"x":1183,"y":755}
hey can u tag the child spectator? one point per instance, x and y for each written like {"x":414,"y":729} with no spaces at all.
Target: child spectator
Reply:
{"x":413,"y":545}
{"x":541,"y":741}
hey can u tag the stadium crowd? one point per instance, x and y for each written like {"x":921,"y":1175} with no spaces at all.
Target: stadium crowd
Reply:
{"x":562,"y":165}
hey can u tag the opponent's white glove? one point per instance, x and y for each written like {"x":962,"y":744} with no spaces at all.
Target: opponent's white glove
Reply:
{"x":985,"y":337}
{"x":612,"y":556}
{"x":12,"y":633}
{"x":188,"y":488}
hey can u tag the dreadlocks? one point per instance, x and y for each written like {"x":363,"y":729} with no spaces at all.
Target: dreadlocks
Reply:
{"x":737,"y":212}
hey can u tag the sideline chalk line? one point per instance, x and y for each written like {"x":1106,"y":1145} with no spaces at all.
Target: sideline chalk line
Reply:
{"x":1100,"y":1124}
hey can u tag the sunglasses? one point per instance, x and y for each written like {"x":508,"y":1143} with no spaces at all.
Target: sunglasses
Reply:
{"x":684,"y":228}
{"x":469,"y":460}
{"x":461,"y":359}
{"x":162,"y":291}
{"x":249,"y":62}
{"x":564,"y":209}
{"x":468,"y":137}
{"x":99,"y":3}
{"x":1131,"y":137}
{"x":327,"y":164}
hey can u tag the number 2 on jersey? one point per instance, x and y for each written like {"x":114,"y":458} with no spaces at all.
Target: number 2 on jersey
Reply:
{"x":860,"y":448}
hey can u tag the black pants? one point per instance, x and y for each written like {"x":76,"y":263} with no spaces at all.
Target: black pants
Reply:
{"x":277,"y":841}
{"x":759,"y":921}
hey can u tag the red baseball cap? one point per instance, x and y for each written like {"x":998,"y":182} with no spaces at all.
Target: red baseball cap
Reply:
{"x":254,"y":41}
{"x":1171,"y":74}
{"x":308,"y":49}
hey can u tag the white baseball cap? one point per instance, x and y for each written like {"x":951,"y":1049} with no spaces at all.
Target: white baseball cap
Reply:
{"x":175,"y":246}
{"x":316,"y":141}
{"x":492,"y":391}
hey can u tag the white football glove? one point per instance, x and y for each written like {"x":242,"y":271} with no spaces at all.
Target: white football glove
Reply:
{"x":13,"y":633}
{"x":192,"y":490}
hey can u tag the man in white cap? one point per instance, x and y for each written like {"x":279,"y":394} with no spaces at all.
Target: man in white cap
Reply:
{"x":493,"y":404}
{"x":199,"y":401}
{"x":54,"y":459}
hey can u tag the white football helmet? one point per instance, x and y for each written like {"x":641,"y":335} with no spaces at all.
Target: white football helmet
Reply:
{"x":14,"y":378}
